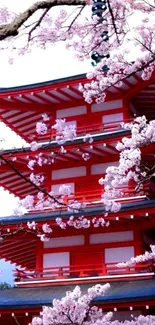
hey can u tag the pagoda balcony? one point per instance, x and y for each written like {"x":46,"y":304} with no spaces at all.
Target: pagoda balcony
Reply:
{"x":94,"y":197}
{"x":92,"y":128}
{"x":82,"y":273}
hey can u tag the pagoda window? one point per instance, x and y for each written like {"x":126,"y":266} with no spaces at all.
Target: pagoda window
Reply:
{"x":68,"y":123}
{"x":112,"y":237}
{"x":55,"y":188}
{"x":73,"y":111}
{"x":112,"y":118}
{"x":69,"y":172}
{"x":54,"y":263}
{"x":101,"y":168}
{"x":114,"y":104}
{"x":68,"y":241}
{"x":118,"y":254}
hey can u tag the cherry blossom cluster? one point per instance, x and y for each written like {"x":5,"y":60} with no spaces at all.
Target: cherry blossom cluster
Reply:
{"x":64,"y":132}
{"x":125,"y":33}
{"x":5,"y":15}
{"x":147,"y":256}
{"x":128,"y":24}
{"x":76,"y":221}
{"x":82,"y":222}
{"x":76,"y":308}
{"x":44,"y":233}
{"x":130,"y":166}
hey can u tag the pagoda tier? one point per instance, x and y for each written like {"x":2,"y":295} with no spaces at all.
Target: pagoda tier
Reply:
{"x":69,"y":167}
{"x":21,"y":107}
{"x":130,"y":233}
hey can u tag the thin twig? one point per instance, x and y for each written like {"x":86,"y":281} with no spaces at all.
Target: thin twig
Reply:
{"x":113,"y":20}
{"x":16,"y":320}
{"x":37,"y":23}
{"x":11,"y":165}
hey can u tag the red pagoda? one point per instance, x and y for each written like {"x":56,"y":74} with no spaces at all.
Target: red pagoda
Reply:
{"x":46,"y":270}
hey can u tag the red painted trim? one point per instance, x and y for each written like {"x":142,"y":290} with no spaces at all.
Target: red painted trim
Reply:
{"x":39,"y":255}
{"x":125,"y":305}
{"x":138,"y":249}
{"x":84,"y":249}
{"x":142,"y":84}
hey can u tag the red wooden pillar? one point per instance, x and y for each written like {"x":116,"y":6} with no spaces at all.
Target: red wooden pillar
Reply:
{"x":27,"y":320}
{"x":126,"y":110}
{"x":138,"y":242}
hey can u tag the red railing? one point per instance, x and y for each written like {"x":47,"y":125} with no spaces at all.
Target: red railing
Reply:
{"x":70,"y":272}
{"x":93,"y":197}
{"x":92,"y":129}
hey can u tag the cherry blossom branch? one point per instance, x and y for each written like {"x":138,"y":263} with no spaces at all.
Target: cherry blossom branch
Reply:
{"x":37,"y":24}
{"x":12,"y":29}
{"x":149,"y":4}
{"x":15,"y":318}
{"x":113,"y":20}
{"x":11,"y":165}
{"x":77,"y":305}
{"x":75,"y":18}
{"x":147,"y":256}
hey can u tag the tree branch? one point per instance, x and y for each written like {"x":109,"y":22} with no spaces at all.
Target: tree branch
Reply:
{"x":113,"y":20}
{"x":12,"y":29}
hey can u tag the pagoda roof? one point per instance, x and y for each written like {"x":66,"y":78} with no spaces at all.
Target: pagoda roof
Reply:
{"x":21,"y":249}
{"x":119,"y":292}
{"x":43,"y":83}
{"x":21,"y":107}
{"x":137,"y":207}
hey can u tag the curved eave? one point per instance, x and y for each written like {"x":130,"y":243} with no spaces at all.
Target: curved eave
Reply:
{"x":55,"y":83}
{"x":102,"y":136}
{"x":127,"y":208}
{"x":119,"y":292}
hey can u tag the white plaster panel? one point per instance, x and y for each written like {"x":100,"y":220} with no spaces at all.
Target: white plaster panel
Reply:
{"x":111,"y":237}
{"x":65,"y":241}
{"x":71,"y":123}
{"x":118,"y":254}
{"x":112,"y":118}
{"x":55,"y":188}
{"x":101,"y":168}
{"x":56,"y":259}
{"x":107,"y":105}
{"x":69,"y":172}
{"x":73,"y":111}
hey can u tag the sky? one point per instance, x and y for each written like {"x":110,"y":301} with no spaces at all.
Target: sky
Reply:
{"x":38,"y":66}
